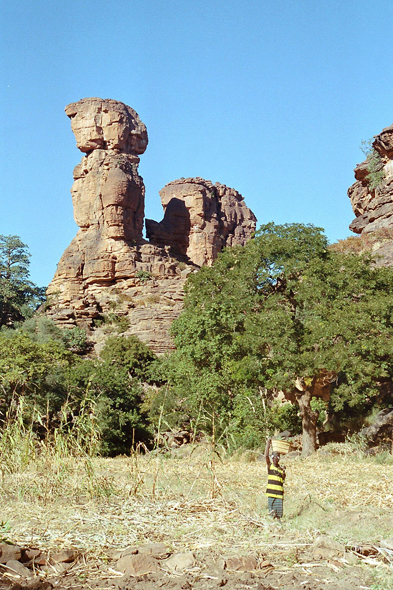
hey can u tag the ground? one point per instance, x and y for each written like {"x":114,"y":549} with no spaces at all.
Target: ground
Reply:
{"x":199,"y":519}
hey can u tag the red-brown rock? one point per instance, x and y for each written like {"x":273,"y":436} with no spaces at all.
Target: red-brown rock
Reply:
{"x":9,"y":552}
{"x":108,"y":265}
{"x":373,"y":206}
{"x":200,"y":219}
{"x":108,"y":124}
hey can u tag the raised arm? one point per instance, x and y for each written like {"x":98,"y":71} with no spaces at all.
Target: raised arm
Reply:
{"x":267,"y":452}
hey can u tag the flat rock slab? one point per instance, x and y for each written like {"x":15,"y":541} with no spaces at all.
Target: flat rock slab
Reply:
{"x":19,"y":568}
{"x":137,"y":565}
{"x":9,"y":552}
{"x":66,"y":556}
{"x":179,"y":562}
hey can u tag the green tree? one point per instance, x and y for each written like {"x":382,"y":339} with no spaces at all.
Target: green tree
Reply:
{"x":19,"y":297}
{"x":118,"y":401}
{"x":132,"y":354}
{"x":33,"y":370}
{"x":285,"y":313}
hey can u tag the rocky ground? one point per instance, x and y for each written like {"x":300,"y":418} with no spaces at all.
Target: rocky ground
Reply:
{"x":324,"y":564}
{"x":184,"y":522}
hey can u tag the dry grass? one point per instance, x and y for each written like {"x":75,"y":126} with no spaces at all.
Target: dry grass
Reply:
{"x":194,"y":503}
{"x":366,"y":242}
{"x":199,"y":503}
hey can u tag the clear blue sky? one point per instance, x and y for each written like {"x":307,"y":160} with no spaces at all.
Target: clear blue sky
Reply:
{"x":270,"y":97}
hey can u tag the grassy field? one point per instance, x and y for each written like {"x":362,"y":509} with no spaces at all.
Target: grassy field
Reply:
{"x":201,"y":501}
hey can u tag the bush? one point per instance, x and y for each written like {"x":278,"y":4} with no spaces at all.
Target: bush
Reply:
{"x":143,"y":275}
{"x":118,"y":403}
{"x":75,"y":340}
{"x":132,"y":354}
{"x":376,"y":173}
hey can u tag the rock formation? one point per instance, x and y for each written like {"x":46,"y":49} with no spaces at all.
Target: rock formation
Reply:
{"x":109,"y":275}
{"x":372,"y":198}
{"x":200,"y":219}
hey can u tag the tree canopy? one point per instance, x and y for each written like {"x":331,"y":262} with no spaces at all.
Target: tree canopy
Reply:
{"x":19,"y":297}
{"x":286,"y":313}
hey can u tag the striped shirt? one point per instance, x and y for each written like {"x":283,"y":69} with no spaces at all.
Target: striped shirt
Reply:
{"x":275,"y":482}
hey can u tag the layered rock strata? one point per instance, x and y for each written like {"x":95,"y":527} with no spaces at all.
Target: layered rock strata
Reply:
{"x":372,"y":202}
{"x":109,"y":274}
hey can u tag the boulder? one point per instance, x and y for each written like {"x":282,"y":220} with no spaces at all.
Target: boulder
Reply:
{"x":381,"y":430}
{"x":9,"y":552}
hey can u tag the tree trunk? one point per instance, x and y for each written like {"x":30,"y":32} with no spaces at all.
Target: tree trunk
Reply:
{"x":309,"y":423}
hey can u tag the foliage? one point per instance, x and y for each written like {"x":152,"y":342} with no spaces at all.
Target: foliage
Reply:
{"x":118,"y":400}
{"x":143,"y":275}
{"x":33,"y":370}
{"x":376,"y":173}
{"x":112,"y":322}
{"x":19,"y":297}
{"x":75,"y":340}
{"x":131,"y":354}
{"x":41,"y":376}
{"x":286,"y":417}
{"x":41,"y":329}
{"x":27,"y":433}
{"x":282,"y":309}
{"x":164,"y":407}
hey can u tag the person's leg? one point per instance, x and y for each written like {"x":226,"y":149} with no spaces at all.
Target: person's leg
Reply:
{"x":278,"y":507}
{"x":270,"y":503}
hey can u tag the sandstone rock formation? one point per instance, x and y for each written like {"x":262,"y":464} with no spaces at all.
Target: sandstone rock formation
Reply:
{"x":109,"y":273}
{"x":373,"y":205}
{"x":200,"y":219}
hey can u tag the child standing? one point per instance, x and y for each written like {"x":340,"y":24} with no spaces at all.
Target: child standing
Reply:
{"x":275,"y":483}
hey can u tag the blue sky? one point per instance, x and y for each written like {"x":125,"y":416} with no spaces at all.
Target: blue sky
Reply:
{"x":272,"y":98}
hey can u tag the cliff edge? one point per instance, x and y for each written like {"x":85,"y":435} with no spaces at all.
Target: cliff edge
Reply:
{"x":372,"y":198}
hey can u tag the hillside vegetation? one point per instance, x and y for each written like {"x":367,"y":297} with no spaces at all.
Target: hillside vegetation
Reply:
{"x":282,"y":334}
{"x":285,"y":313}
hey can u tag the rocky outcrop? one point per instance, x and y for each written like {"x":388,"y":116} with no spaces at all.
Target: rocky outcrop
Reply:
{"x":200,"y":219}
{"x":110,"y":276}
{"x":381,"y":430}
{"x":372,"y":198}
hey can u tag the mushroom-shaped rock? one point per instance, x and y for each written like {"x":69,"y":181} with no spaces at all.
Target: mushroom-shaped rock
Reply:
{"x":106,"y":124}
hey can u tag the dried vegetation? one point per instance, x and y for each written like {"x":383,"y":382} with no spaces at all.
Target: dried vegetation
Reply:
{"x":202,"y":501}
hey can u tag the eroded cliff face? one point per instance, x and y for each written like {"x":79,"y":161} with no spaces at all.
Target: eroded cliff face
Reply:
{"x":110,"y":273}
{"x":372,"y":201}
{"x":200,"y":219}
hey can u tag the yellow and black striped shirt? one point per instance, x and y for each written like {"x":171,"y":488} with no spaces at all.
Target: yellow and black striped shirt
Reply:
{"x":275,"y":482}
